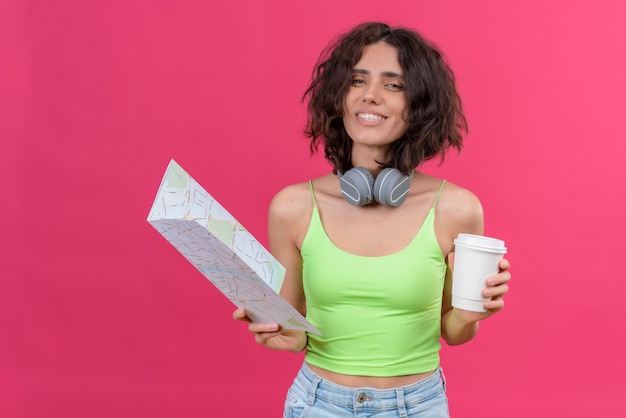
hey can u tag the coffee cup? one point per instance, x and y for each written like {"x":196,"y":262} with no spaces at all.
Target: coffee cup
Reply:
{"x":476,"y":257}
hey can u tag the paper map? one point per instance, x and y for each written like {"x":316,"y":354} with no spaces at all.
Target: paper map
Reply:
{"x":211,"y":239}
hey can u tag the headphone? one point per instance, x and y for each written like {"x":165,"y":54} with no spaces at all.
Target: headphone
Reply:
{"x":390,"y":188}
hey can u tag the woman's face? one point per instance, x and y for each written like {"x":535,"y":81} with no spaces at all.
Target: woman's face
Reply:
{"x":375,"y":108}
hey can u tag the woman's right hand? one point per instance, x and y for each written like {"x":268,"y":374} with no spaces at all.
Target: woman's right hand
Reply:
{"x":272,"y":335}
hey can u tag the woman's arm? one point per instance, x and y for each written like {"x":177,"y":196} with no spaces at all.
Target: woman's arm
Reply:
{"x":287,"y":213}
{"x":462,"y":212}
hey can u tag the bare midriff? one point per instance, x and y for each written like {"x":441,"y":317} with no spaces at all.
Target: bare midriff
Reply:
{"x":385,"y":382}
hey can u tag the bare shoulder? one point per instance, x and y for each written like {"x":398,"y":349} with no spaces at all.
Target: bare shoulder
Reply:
{"x":459,"y":210}
{"x":289,"y":215}
{"x":292,"y":201}
{"x":297,"y":199}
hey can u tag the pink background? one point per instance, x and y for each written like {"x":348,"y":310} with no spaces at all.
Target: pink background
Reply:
{"x":100,"y":317}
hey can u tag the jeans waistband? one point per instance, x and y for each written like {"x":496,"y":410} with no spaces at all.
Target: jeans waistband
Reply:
{"x":349,"y":397}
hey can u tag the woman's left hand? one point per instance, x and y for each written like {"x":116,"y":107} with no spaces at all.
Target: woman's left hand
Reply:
{"x":459,"y":326}
{"x":497,"y":287}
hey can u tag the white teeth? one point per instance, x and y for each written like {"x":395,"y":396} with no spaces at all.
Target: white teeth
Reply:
{"x":370,"y":118}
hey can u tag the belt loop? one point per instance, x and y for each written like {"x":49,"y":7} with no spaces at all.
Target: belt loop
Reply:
{"x":443,"y":378}
{"x":311,"y":398}
{"x":400,"y":401}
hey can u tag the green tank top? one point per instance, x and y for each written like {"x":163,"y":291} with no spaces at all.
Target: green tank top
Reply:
{"x":379,"y":316}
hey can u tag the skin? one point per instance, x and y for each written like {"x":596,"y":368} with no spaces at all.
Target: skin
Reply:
{"x":376,"y":90}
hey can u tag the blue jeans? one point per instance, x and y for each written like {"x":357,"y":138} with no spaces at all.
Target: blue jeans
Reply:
{"x":311,"y":396}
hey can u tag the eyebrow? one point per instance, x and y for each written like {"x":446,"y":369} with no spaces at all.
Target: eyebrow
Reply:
{"x":388,"y":74}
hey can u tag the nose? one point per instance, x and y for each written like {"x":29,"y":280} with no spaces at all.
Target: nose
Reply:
{"x":371,"y":94}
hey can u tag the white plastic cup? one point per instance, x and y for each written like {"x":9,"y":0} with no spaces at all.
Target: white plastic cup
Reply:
{"x":475,"y":258}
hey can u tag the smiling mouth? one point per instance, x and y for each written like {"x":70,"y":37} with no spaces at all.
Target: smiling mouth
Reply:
{"x":369,"y":117}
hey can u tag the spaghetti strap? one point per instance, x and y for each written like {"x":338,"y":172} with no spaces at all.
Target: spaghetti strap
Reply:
{"x":438,"y":193}
{"x":312,"y":193}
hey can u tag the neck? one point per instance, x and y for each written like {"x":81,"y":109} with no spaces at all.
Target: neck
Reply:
{"x":368,"y":158}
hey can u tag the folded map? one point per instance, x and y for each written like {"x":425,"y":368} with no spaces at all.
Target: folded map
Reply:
{"x":211,"y":239}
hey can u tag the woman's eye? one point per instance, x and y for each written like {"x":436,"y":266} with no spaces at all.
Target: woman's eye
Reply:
{"x":395,"y":87}
{"x":357,"y":81}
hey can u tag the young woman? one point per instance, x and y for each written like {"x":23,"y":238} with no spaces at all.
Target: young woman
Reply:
{"x":368,"y":248}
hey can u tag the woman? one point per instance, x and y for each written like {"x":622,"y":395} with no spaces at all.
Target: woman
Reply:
{"x":374,"y":274}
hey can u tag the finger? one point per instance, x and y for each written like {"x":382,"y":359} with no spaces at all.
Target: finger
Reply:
{"x":257,"y":327}
{"x":504,"y":264}
{"x":494,"y":305}
{"x":496,"y":291}
{"x":499,"y":278}
{"x":240,"y":315}
{"x":264,"y":337}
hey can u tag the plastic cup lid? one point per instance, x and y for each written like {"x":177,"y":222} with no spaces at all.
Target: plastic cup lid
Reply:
{"x":481,"y":243}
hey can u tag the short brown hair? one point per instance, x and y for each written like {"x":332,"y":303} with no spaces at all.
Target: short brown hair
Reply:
{"x":435,"y":118}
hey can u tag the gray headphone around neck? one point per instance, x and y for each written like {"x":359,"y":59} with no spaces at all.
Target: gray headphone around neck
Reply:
{"x":390,"y":188}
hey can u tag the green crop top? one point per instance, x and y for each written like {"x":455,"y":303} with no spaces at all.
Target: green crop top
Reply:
{"x":379,"y":316}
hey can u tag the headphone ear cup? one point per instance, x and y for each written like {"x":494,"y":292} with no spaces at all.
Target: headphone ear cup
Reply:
{"x":356,"y":186}
{"x":391,"y":187}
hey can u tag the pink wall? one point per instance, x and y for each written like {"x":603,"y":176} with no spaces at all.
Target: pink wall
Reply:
{"x":100,"y":317}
